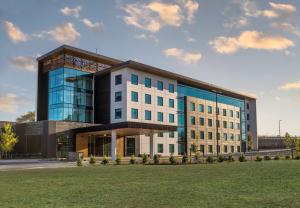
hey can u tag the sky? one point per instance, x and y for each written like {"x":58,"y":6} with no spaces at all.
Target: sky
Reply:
{"x":244,"y":45}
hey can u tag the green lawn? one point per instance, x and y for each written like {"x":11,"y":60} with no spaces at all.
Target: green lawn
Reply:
{"x":251,"y":184}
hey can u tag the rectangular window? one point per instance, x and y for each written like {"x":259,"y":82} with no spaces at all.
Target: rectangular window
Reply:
{"x":231,"y":125}
{"x":218,"y":136}
{"x":147,"y":115}
{"x":238,"y":148}
{"x":202,"y":135}
{"x":248,"y":127}
{"x":134,"y":113}
{"x":225,"y":136}
{"x":171,"y":103}
{"x":134,"y":96}
{"x":232,"y":148}
{"x":237,"y":114}
{"x":171,"y":134}
{"x":118,"y":79}
{"x":210,"y":148}
{"x":118,"y":96}
{"x":193,"y":120}
{"x":160,"y":101}
{"x":201,"y":108}
{"x":202,"y":121}
{"x":118,"y":113}
{"x":147,"y":82}
{"x":171,"y":148}
{"x":248,"y":117}
{"x":225,"y":124}
{"x":193,"y":134}
{"x":147,"y":99}
{"x":225,"y":148}
{"x":171,"y":88}
{"x":210,"y":122}
{"x":218,"y":123}
{"x":160,"y":148}
{"x":160,"y":85}
{"x":134,"y":79}
{"x":171,"y":118}
{"x":209,"y":109}
{"x":160,"y":116}
{"x":237,"y":126}
{"x":231,"y":113}
{"x":210,"y":135}
{"x":231,"y":137}
{"x":160,"y":134}
{"x":239,"y":137}
{"x":248,"y":106}
{"x":201,"y":148}
{"x":224,"y":112}
{"x":192,"y":106}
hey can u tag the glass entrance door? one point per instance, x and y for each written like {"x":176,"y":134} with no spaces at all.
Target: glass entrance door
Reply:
{"x":99,"y":146}
{"x":130,"y":146}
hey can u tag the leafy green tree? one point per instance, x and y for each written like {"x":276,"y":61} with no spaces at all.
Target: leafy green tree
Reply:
{"x":297,"y":146}
{"x":250,"y":144}
{"x":28,"y":117}
{"x":288,"y":142}
{"x":8,"y":139}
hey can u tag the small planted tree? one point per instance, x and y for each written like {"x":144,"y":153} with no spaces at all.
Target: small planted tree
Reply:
{"x":8,"y":139}
{"x":92,"y":160}
{"x":105,"y":160}
{"x":185,"y":159}
{"x":210,"y":159}
{"x":242,"y":158}
{"x":156,"y":159}
{"x":132,"y":159}
{"x":230,"y":158}
{"x":258,"y":158}
{"x":79,"y":161}
{"x":288,"y":142}
{"x":118,"y":159}
{"x":250,"y":144}
{"x":172,"y":159}
{"x":297,"y":146}
{"x":221,"y":158}
{"x":145,"y":158}
{"x":197,"y":157}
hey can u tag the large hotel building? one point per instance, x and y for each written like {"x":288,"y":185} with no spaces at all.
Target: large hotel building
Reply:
{"x":101,"y":106}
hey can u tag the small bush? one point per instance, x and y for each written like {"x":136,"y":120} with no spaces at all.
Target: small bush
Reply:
{"x":230,"y":158}
{"x":104,"y":160}
{"x":156,"y":159}
{"x":242,"y":158}
{"x":209,"y":159}
{"x":79,"y":162}
{"x":118,"y":160}
{"x":277,"y":157}
{"x":92,"y":160}
{"x":172,"y":159}
{"x":221,"y":158}
{"x":197,"y":157}
{"x":297,"y":157}
{"x":132,"y":159}
{"x":258,"y":158}
{"x":145,"y":158}
{"x":287,"y":157}
{"x":267,"y":157}
{"x":185,"y":159}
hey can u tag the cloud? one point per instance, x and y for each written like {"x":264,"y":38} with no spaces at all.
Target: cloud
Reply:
{"x":283,"y":7}
{"x":180,"y":54}
{"x":285,"y":26}
{"x":290,"y":86}
{"x":148,"y":37}
{"x":25,"y":63}
{"x":250,"y":40}
{"x":191,"y":40}
{"x":9,"y":103}
{"x":156,"y":15}
{"x":94,"y":26}
{"x":14,"y":33}
{"x":65,"y":34}
{"x":67,"y":11}
{"x":237,"y":23}
{"x":251,"y":10}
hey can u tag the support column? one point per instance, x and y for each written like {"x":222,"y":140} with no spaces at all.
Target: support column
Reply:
{"x":113,"y":145}
{"x":151,"y":146}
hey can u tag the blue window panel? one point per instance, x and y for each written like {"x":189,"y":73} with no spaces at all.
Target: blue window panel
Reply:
{"x":192,"y":106}
{"x":160,"y":85}
{"x":160,"y":101}
{"x":134,"y":113}
{"x":201,"y":108}
{"x":171,"y":118}
{"x":147,"y":115}
{"x":118,"y":113}
{"x":147,"y":98}
{"x":209,"y":109}
{"x":134,"y":79}
{"x":134,"y":96}
{"x":171,"y":88}
{"x":147,"y":82}
{"x":160,"y":116}
{"x":171,"y":103}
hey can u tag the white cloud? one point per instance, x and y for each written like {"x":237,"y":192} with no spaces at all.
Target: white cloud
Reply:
{"x":14,"y":33}
{"x":285,"y":26}
{"x":180,"y":54}
{"x":9,"y":103}
{"x":237,"y":23}
{"x":94,"y":26}
{"x":290,"y":86}
{"x":250,"y":40}
{"x":155,"y":15}
{"x":65,"y":34}
{"x":251,"y":10}
{"x":191,"y":40}
{"x":283,"y":7}
{"x":24,"y":63}
{"x":71,"y":11}
{"x":148,"y":37}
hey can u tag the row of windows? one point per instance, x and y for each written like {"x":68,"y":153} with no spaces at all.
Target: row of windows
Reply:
{"x":160,"y":148}
{"x":147,"y":82}
{"x":210,"y":136}
{"x":210,"y":148}
{"x":210,"y":123}
{"x":148,"y":115}
{"x":210,"y":109}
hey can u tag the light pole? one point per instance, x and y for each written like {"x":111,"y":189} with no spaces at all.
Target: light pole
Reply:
{"x":279,"y":128}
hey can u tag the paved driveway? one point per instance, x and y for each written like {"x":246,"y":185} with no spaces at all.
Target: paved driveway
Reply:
{"x":27,"y":164}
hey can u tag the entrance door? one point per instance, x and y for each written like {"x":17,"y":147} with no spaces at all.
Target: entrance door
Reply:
{"x":130,"y":146}
{"x":99,"y":146}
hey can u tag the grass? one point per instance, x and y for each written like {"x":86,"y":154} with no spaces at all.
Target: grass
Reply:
{"x":251,"y":184}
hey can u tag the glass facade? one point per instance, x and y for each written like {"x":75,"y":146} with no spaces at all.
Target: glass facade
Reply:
{"x":185,"y":90}
{"x":70,"y":95}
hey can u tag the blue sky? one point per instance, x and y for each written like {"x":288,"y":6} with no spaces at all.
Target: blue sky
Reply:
{"x":245,"y":45}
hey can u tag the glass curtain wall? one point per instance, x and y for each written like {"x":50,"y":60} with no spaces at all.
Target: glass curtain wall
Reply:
{"x":70,"y":95}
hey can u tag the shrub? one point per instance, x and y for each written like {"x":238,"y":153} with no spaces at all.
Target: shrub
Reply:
{"x":277,"y":157}
{"x":172,"y":159}
{"x":79,"y":161}
{"x":156,"y":159}
{"x":197,"y":157}
{"x":185,"y":159}
{"x":297,"y":157}
{"x":267,"y":157}
{"x":132,"y":159}
{"x":105,"y":160}
{"x":92,"y":160}
{"x":118,"y":160}
{"x":258,"y":158}
{"x":209,"y":159}
{"x":230,"y":158}
{"x":221,"y":158}
{"x":145,"y":158}
{"x":242,"y":158}
{"x":287,"y":157}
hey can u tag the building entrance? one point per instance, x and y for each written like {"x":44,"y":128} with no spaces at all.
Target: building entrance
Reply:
{"x":99,"y":146}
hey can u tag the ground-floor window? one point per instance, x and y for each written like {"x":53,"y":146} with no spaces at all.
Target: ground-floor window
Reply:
{"x":62,"y":146}
{"x":160,"y":148}
{"x":99,"y":146}
{"x":202,"y":148}
{"x":210,"y":148}
{"x":171,"y":148}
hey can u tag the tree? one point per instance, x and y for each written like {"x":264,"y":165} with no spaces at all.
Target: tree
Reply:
{"x":297,"y":146}
{"x":8,"y":138}
{"x":28,"y":117}
{"x":288,"y":142}
{"x":250,"y":143}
